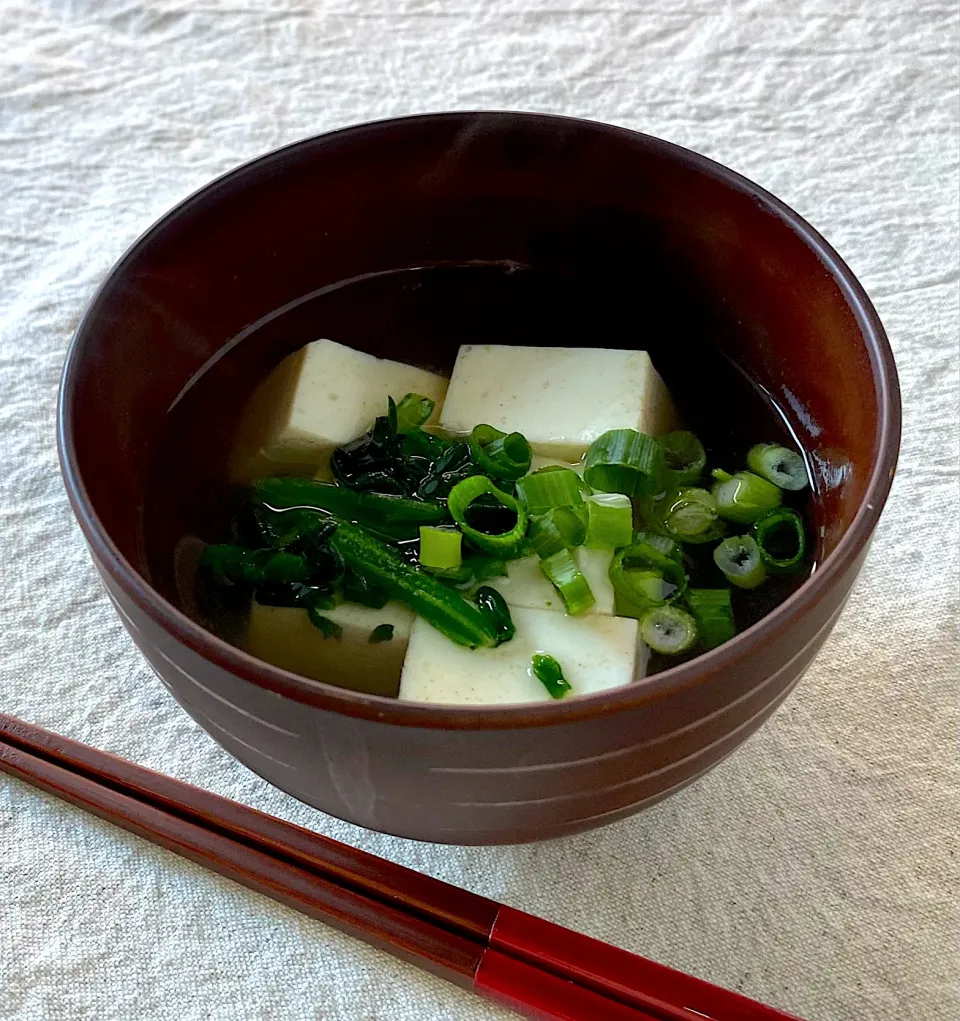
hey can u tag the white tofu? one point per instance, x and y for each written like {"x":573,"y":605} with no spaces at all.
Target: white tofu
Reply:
{"x":560,"y":398}
{"x":318,"y":398}
{"x":595,"y":653}
{"x":526,"y":585}
{"x":284,"y":636}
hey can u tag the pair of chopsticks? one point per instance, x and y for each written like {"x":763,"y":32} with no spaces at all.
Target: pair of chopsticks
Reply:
{"x":539,"y":969}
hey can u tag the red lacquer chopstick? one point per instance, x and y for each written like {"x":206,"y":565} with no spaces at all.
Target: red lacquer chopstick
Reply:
{"x":536,"y":967}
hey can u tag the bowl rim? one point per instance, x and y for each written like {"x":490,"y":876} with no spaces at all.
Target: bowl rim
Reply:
{"x":380,"y":708}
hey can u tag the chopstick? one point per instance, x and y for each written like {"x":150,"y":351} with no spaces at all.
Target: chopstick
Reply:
{"x":537,"y":968}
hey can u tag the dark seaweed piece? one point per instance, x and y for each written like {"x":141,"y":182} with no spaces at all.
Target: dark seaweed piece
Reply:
{"x":328,"y":628}
{"x":381,"y":633}
{"x":294,"y":594}
{"x":452,"y":466}
{"x":356,"y":589}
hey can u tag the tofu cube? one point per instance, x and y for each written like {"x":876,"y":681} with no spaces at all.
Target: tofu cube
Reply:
{"x":560,"y":398}
{"x":526,"y":585}
{"x":595,"y":653}
{"x":319,"y":398}
{"x":284,"y":636}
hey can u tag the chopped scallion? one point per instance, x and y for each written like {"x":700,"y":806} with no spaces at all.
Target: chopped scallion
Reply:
{"x":668,"y":630}
{"x":624,"y":461}
{"x":507,"y":544}
{"x":740,"y":560}
{"x":744,"y":497}
{"x":440,"y":548}
{"x":557,"y":529}
{"x":550,"y":487}
{"x":574,"y":589}
{"x":500,"y":455}
{"x":780,"y":465}
{"x":609,"y":521}
{"x":691,"y":515}
{"x":683,"y":458}
{"x":780,"y":536}
{"x":548,"y":672}
{"x":713,"y":612}
{"x":412,"y":412}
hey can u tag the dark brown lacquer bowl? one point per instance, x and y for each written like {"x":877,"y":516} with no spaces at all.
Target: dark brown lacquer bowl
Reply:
{"x":661,"y":249}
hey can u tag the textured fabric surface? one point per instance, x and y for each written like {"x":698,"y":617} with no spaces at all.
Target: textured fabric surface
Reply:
{"x":816,"y":868}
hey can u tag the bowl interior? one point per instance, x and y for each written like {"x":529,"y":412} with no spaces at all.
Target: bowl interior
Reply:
{"x":408,"y":238}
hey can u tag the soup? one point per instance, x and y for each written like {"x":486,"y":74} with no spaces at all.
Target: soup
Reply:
{"x":536,"y":521}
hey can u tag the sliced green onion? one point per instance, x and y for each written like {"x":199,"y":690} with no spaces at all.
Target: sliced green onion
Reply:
{"x":713,"y":612}
{"x":382,"y":565}
{"x":643,"y":577}
{"x":547,"y":671}
{"x":780,"y":465}
{"x":683,"y":458}
{"x":574,"y":589}
{"x":495,"y":606}
{"x":609,"y":521}
{"x":624,"y":461}
{"x":396,"y":516}
{"x":668,"y":630}
{"x":740,"y":560}
{"x":691,"y":515}
{"x":237,"y":564}
{"x":381,"y":633}
{"x":780,"y":536}
{"x":506,"y":545}
{"x":500,"y":455}
{"x":661,"y":543}
{"x":328,"y":628}
{"x":549,"y":487}
{"x":412,"y":412}
{"x":440,"y":548}
{"x":557,"y":529}
{"x":744,"y":497}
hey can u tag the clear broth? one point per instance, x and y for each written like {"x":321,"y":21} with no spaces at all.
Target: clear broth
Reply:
{"x":432,"y":311}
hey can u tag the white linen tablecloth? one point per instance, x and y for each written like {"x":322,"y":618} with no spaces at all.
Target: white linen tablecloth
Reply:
{"x":816,"y":869}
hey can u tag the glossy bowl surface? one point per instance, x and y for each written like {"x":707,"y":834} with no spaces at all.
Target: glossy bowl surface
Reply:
{"x":686,"y":249}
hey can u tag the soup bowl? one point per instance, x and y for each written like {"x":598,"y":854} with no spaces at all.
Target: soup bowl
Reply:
{"x":658,"y":248}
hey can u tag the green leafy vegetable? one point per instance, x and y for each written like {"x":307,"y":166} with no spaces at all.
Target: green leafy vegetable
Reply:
{"x":382,"y":566}
{"x":234,"y":563}
{"x":548,"y":672}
